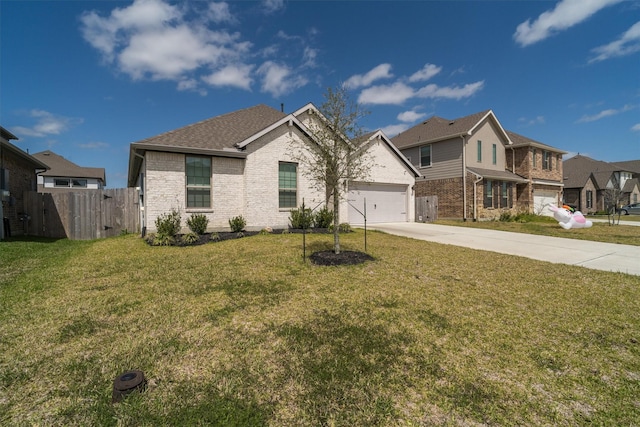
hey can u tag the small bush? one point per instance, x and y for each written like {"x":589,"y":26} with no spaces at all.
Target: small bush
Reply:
{"x":237,"y":224}
{"x":323,"y":218}
{"x":507,"y":217}
{"x":214,"y":237}
{"x":301,"y":218}
{"x":164,"y":240}
{"x":190,"y":238}
{"x":345,"y":227}
{"x":198,"y":223}
{"x":168,"y":224}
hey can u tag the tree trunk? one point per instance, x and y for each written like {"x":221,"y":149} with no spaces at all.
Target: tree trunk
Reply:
{"x":336,"y":219}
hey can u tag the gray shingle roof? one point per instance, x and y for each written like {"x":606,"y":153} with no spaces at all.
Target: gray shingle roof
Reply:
{"x":436,"y":129}
{"x":521,"y":141}
{"x":61,"y":167}
{"x":220,"y":132}
{"x":630,"y":184}
{"x":630,"y":165}
{"x":498,"y":175}
{"x":578,"y":168}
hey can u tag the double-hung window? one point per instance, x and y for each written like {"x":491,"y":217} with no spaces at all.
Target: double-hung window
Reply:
{"x":506,"y":192}
{"x":589,"y":199}
{"x":425,"y":156}
{"x":198,"y":171}
{"x":546,"y":160}
{"x":535,"y":159}
{"x":287,"y":185}
{"x":488,"y":193}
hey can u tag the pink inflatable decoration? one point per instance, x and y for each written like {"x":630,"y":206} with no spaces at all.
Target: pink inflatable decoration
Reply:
{"x":568,"y":219}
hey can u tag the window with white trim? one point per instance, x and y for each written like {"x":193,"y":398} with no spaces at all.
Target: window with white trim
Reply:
{"x":198,"y":177}
{"x":287,"y":185}
{"x":425,"y":156}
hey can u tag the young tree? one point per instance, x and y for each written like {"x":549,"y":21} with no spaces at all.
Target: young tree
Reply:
{"x":336,"y":153}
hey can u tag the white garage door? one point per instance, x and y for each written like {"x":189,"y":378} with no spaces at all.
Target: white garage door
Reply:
{"x":543,"y":198}
{"x":385,"y":203}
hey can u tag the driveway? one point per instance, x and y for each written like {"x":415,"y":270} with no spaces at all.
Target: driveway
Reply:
{"x":599,"y":256}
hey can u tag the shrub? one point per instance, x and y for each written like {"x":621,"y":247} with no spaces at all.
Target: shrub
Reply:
{"x":507,"y":217}
{"x":214,"y":237}
{"x":167,"y":225}
{"x":323,"y":218}
{"x":237,"y":224}
{"x":301,"y":218}
{"x":198,"y":223}
{"x":190,"y":238}
{"x":163,"y":240}
{"x":344,"y":227}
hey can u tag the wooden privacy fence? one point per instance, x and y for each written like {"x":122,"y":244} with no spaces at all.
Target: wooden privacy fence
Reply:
{"x":426,"y":208}
{"x":81,"y":215}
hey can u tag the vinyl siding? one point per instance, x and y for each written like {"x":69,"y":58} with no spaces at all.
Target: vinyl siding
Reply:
{"x":488,"y":133}
{"x":446,"y":159}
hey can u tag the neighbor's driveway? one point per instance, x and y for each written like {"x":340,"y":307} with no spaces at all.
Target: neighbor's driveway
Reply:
{"x":599,"y":256}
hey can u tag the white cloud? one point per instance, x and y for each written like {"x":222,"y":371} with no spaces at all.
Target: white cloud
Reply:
{"x":278,"y":79}
{"x":450,"y":92}
{"x":47,"y":124}
{"x":538,"y":120}
{"x":627,"y":44}
{"x":232,"y":75}
{"x":273,"y":5}
{"x":153,"y":39}
{"x":382,"y":71}
{"x":393,"y":130}
{"x":428,"y":71}
{"x":636,"y":127}
{"x":604,"y":113}
{"x":94,"y":145}
{"x":410,"y":116}
{"x":220,"y":13}
{"x":566,"y":14}
{"x":395,"y":94}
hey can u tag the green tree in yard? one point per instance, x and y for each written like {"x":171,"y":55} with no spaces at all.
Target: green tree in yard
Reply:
{"x":336,"y":153}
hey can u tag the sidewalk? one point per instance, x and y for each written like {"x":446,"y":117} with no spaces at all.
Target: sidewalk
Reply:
{"x":595,"y":255}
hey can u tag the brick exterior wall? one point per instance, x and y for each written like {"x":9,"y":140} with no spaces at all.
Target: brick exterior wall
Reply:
{"x":449,"y":192}
{"x":22,"y":177}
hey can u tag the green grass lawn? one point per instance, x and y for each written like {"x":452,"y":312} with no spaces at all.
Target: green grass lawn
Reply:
{"x":547,"y":226}
{"x":245,"y":333}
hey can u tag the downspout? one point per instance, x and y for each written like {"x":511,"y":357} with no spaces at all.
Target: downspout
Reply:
{"x":464,"y":179}
{"x":475,"y":198}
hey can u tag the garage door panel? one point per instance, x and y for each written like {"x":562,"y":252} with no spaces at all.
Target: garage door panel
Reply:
{"x":385,"y":203}
{"x":541,"y":200}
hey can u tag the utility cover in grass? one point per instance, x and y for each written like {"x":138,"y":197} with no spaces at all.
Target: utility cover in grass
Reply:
{"x":343,"y":258}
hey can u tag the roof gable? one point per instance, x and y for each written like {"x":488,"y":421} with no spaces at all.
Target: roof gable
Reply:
{"x":381,"y":135}
{"x":438,"y":129}
{"x":524,"y":141}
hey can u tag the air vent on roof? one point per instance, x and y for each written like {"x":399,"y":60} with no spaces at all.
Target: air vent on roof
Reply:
{"x":451,"y":122}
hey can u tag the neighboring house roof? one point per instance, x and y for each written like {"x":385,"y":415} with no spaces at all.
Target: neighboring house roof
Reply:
{"x":61,"y":167}
{"x":497,"y":175}
{"x":438,"y":129}
{"x":630,"y":165}
{"x":630,"y":185}
{"x":5,"y":137}
{"x":523,"y":141}
{"x":578,"y":168}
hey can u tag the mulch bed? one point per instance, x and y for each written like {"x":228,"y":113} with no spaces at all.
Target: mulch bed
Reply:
{"x":343,"y":258}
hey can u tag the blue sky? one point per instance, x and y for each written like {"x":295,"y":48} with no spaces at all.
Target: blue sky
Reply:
{"x":87,"y":78}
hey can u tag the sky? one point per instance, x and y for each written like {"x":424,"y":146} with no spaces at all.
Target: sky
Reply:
{"x":85,"y":79}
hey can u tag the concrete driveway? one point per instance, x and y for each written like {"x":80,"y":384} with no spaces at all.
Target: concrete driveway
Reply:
{"x":599,"y":256}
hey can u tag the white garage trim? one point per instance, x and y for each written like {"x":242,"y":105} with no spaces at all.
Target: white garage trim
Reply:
{"x":385,"y":202}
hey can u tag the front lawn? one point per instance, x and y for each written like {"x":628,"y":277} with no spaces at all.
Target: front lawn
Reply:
{"x":244,"y":333}
{"x":547,"y":226}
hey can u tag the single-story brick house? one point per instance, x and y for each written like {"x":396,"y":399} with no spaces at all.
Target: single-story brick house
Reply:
{"x":64,"y":175}
{"x":241,"y":163}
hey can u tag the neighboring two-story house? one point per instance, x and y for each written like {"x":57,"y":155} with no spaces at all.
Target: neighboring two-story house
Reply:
{"x":478,"y":170}
{"x":18,"y":172}
{"x":591,"y":185}
{"x":64,"y":175}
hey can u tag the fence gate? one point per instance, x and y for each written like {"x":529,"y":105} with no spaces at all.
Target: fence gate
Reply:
{"x":82,"y":215}
{"x":426,"y":208}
